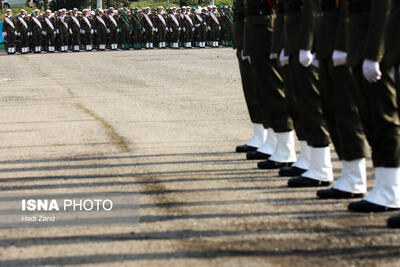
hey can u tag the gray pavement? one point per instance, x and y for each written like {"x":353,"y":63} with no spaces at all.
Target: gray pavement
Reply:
{"x":162,"y":124}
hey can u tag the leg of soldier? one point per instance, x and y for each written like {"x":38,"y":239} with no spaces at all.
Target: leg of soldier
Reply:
{"x":311,"y":117}
{"x":382,"y":125}
{"x":346,"y":131}
{"x":253,"y":106}
{"x":276,"y":114}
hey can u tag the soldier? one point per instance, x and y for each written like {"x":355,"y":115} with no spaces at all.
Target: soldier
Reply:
{"x":35,"y":27}
{"x":228,"y":26}
{"x":86,"y":31}
{"x":181,"y":13}
{"x":49,"y":32}
{"x":174,"y":28}
{"x":336,"y":88}
{"x":199,"y":21}
{"x":213,"y":26}
{"x":63,"y":31}
{"x":248,"y":82}
{"x":125,"y":28}
{"x":9,"y":32}
{"x":148,"y":28}
{"x":187,"y":27}
{"x":378,"y":101}
{"x":160,"y":26}
{"x":75,"y":30}
{"x":137,"y":31}
{"x":112,"y":26}
{"x":222,"y":22}
{"x":100,"y":27}
{"x":22,"y":31}
{"x":258,"y":28}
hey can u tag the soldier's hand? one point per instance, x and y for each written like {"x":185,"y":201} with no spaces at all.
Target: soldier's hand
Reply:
{"x":371,"y":71}
{"x":283,"y":60}
{"x":305,"y":57}
{"x":273,"y":56}
{"x":315,"y":61}
{"x":339,"y":58}
{"x":244,"y":58}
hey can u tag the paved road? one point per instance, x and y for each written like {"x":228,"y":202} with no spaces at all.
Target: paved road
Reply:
{"x":162,"y":124}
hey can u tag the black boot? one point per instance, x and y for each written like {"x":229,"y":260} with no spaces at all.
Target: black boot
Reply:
{"x":245,"y":149}
{"x":306,"y":182}
{"x":270,"y":165}
{"x":253,"y":155}
{"x":366,"y":206}
{"x":291,"y":171}
{"x":394,"y":222}
{"x":333,"y":193}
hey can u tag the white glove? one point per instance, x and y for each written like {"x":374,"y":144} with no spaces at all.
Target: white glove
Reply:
{"x":184,"y":29}
{"x":29,"y":33}
{"x":153,"y":29}
{"x":18,"y":33}
{"x":4,"y":34}
{"x":219,"y":28}
{"x":70,"y":31}
{"x":273,"y":56}
{"x":305,"y":57}
{"x":58,"y":31}
{"x":91,"y":31}
{"x":315,"y":61}
{"x":44,"y":33}
{"x":209,"y":28}
{"x":371,"y":71}
{"x":15,"y":33}
{"x":193,"y":29}
{"x":284,"y":60}
{"x":197,"y":25}
{"x":244,"y":58}
{"x":339,"y":58}
{"x":108,"y":31}
{"x":180,"y":29}
{"x":144,"y":30}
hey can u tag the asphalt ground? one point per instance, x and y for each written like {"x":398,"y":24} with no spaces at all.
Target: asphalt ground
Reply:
{"x":163,"y":125}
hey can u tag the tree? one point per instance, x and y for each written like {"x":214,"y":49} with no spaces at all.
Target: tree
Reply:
{"x":70,"y":4}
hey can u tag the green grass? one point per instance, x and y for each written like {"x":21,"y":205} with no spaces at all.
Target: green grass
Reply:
{"x":16,"y":11}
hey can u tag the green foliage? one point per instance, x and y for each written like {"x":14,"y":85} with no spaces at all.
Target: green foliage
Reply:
{"x":194,"y":3}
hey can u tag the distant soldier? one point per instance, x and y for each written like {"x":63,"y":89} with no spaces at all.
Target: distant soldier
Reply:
{"x":222,"y":24}
{"x":228,"y":25}
{"x":22,"y":31}
{"x":35,"y":28}
{"x":160,"y":26}
{"x":75,"y":30}
{"x":86,"y":31}
{"x":187,"y":27}
{"x":9,"y":32}
{"x":49,"y":32}
{"x":199,"y":21}
{"x":174,"y":28}
{"x":112,"y":26}
{"x":125,"y":28}
{"x":148,"y":28}
{"x":100,"y":26}
{"x":62,"y":31}
{"x":213,"y":26}
{"x":137,"y":25}
{"x":181,"y":13}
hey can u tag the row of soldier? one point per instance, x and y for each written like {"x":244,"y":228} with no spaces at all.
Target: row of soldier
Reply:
{"x":113,"y":29}
{"x":325,"y":71}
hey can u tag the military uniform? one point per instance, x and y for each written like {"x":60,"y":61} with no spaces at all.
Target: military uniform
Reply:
{"x":86,"y":33}
{"x":63,"y":32}
{"x":36,"y":27}
{"x":228,"y":27}
{"x":100,"y":26}
{"x":9,"y":34}
{"x":22,"y":28}
{"x":378,"y":102}
{"x":49,"y":32}
{"x":125,"y":28}
{"x":137,"y":31}
{"x":74,"y":31}
{"x":248,"y":83}
{"x":148,"y":24}
{"x":258,"y":29}
{"x":112,"y":26}
{"x":160,"y":25}
{"x":213,"y":28}
{"x":187,"y":27}
{"x":199,"y":21}
{"x":174,"y":29}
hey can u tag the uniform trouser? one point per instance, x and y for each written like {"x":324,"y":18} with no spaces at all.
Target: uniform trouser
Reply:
{"x":250,"y":90}
{"x":148,"y":35}
{"x":271,"y":91}
{"x":101,"y":36}
{"x":75,"y":38}
{"x":87,"y":38}
{"x":201,"y":37}
{"x":291,"y":101}
{"x":113,"y":36}
{"x":174,"y":36}
{"x":161,"y":35}
{"x":341,"y":111}
{"x":188,"y":35}
{"x":50,"y":39}
{"x":380,"y":116}
{"x":138,"y":37}
{"x":310,"y":114}
{"x":63,"y":38}
{"x":214,"y":34}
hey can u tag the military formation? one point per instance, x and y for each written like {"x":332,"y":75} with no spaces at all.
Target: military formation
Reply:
{"x":326,"y":71}
{"x":112,"y":29}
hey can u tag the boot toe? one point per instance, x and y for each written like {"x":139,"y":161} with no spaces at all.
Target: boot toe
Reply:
{"x":245,"y":149}
{"x":333,"y":193}
{"x":255,"y":155}
{"x":366,"y":206}
{"x":291,"y":171}
{"x":394,"y":222}
{"x":306,"y":182}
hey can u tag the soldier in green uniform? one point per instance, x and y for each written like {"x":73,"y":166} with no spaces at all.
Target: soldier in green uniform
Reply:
{"x":248,"y":83}
{"x":258,"y":29}
{"x":299,"y":29}
{"x":378,"y":101}
{"x":222,"y":23}
{"x":336,"y":88}
{"x":124,"y":27}
{"x":49,"y":32}
{"x":137,"y":25}
{"x":9,"y":32}
{"x":22,"y":28}
{"x":228,"y":26}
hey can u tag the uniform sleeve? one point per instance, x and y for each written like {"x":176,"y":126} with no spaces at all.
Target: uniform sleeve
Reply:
{"x":340,"y":39}
{"x":307,"y":25}
{"x":374,"y":45}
